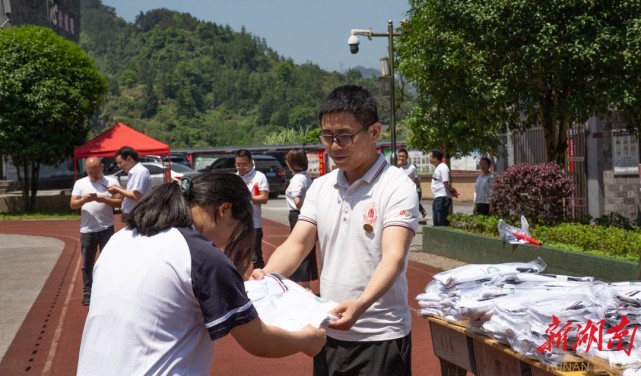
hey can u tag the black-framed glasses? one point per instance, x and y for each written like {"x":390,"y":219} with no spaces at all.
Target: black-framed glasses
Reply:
{"x":343,"y":140}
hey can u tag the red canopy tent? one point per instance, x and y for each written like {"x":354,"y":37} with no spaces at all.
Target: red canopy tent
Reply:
{"x":108,"y":142}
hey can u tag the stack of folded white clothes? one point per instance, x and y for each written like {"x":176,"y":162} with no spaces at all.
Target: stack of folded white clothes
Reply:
{"x":542,"y":316}
{"x":464,"y":294}
{"x":283,"y":303}
{"x":620,"y":317}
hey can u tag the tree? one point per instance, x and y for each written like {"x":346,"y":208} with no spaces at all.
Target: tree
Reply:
{"x":49,"y":91}
{"x":482,"y":67}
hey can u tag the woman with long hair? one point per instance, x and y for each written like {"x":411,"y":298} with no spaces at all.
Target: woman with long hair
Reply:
{"x":170,"y":284}
{"x":297,"y":162}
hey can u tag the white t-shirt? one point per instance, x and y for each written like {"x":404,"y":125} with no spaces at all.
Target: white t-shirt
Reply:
{"x":410,"y":170}
{"x":252,"y":178}
{"x":483,"y":189}
{"x":139,"y":180}
{"x":350,"y":220}
{"x":440,"y":175}
{"x":94,"y":216}
{"x":158,"y":304}
{"x":298,"y":186}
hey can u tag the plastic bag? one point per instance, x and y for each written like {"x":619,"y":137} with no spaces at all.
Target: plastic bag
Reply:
{"x":515,"y":235}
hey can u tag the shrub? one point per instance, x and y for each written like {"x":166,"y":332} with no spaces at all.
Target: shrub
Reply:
{"x":614,"y":220}
{"x":478,"y":224}
{"x":601,"y":240}
{"x":537,"y":191}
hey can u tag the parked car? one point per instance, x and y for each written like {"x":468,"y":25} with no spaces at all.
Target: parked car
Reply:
{"x":156,"y":172}
{"x":280,"y":155}
{"x":266,"y":164}
{"x":179,"y":158}
{"x":150,"y":158}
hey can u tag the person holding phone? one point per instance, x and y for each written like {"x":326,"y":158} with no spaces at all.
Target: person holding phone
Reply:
{"x":96,"y":205}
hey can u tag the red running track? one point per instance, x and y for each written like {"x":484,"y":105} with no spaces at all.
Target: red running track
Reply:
{"x":48,"y":340}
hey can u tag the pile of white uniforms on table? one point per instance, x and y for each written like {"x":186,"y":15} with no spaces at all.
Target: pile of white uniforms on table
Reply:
{"x":283,"y":303}
{"x":518,"y":305}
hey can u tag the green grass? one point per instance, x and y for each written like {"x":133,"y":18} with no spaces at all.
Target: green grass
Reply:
{"x":40,"y":214}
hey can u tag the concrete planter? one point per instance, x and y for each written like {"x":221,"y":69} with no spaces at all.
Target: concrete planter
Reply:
{"x":476,"y":249}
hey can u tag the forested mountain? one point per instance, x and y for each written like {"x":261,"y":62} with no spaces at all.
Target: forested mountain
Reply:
{"x":192,"y":83}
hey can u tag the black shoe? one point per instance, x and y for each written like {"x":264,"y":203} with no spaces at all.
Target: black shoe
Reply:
{"x":423,"y":214}
{"x":85,"y":299}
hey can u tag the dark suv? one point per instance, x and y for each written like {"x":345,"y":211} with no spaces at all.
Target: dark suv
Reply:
{"x":179,"y":158}
{"x":266,"y":164}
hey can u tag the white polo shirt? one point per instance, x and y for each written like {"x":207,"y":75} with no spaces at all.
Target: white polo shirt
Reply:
{"x":440,"y":175}
{"x":483,"y":189}
{"x":298,"y":186}
{"x":94,"y":216}
{"x":158,"y":303}
{"x":139,"y":180}
{"x":252,"y":178}
{"x":349,"y":221}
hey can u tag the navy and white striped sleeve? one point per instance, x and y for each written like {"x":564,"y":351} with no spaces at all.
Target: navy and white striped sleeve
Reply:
{"x":218,"y":287}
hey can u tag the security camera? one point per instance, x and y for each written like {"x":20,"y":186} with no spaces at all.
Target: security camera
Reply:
{"x":353,"y":44}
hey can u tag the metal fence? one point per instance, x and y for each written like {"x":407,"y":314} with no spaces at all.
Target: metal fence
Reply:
{"x":529,"y":147}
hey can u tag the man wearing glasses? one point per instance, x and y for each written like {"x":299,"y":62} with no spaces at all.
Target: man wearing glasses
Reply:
{"x":257,"y":184}
{"x":364,"y":216}
{"x":139,"y":182}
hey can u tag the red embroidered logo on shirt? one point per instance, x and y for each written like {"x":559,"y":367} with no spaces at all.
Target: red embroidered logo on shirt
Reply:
{"x":369,"y":213}
{"x":406,"y":214}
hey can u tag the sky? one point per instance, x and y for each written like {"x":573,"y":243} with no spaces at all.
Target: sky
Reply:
{"x":303,"y":30}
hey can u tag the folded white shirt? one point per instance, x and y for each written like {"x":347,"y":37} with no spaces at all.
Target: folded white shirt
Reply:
{"x":284,"y":303}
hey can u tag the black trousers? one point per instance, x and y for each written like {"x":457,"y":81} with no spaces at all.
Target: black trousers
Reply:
{"x":381,"y":358}
{"x":89,"y":243}
{"x":258,"y":249}
{"x":483,"y":209}
{"x":308,"y":268}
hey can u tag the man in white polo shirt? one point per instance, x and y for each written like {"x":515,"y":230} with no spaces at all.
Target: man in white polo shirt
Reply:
{"x":96,"y":217}
{"x":364,"y":215}
{"x":139,"y":183}
{"x":259,"y":187}
{"x":442,"y":190}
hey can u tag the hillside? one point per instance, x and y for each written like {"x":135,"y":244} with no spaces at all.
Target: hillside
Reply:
{"x":192,"y":83}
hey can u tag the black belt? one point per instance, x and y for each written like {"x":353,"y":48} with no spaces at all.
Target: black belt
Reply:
{"x":294,"y":211}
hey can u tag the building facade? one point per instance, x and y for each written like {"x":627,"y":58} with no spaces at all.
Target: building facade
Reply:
{"x":62,"y":16}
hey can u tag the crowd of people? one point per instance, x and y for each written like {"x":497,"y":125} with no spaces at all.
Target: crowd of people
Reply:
{"x":170,"y":283}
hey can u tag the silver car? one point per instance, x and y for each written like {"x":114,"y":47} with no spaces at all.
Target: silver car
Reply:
{"x":156,"y":171}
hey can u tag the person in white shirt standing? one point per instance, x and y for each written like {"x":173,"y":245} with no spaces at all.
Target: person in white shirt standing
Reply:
{"x":412,"y":173}
{"x":442,"y":190}
{"x":139,"y":183}
{"x":96,"y":205}
{"x":297,"y":162}
{"x":364,"y":215}
{"x":259,"y":187}
{"x":483,"y":188}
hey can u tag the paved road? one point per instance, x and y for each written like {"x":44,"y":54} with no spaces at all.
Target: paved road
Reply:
{"x":41,"y":289}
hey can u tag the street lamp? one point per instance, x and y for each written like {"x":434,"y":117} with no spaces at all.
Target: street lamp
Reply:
{"x":388,"y":69}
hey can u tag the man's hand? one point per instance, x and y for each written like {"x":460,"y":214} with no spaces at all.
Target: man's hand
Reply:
{"x":90,"y":197}
{"x":348,"y":313}
{"x":113,"y":189}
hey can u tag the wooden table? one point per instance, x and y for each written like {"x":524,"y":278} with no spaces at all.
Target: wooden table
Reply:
{"x":460,"y":351}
